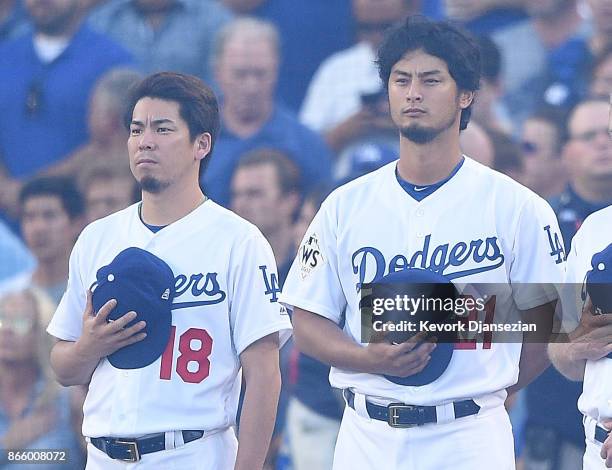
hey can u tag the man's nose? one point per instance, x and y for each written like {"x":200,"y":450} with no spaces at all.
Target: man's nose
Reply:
{"x":413,"y":93}
{"x":147,"y":140}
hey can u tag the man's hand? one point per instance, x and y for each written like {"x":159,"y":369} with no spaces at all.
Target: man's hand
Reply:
{"x":592,"y":339}
{"x":606,"y":448}
{"x":101,"y":337}
{"x":400,"y":360}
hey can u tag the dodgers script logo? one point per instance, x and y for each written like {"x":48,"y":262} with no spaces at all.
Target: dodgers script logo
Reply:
{"x":199,"y":285}
{"x":485,"y":253}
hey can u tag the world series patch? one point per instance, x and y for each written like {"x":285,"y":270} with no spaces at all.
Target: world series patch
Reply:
{"x":310,"y":255}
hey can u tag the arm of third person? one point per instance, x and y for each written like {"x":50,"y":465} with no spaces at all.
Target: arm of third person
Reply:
{"x":591,"y":340}
{"x":323,"y":339}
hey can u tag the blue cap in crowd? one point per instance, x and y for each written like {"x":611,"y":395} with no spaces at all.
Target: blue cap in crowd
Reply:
{"x":143,"y":283}
{"x":366,"y":158}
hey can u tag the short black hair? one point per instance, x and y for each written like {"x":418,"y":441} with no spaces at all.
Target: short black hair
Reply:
{"x":197,"y":102}
{"x":441,"y":39}
{"x":490,"y":58}
{"x":62,"y":187}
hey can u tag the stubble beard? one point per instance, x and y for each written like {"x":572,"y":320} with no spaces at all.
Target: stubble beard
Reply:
{"x":148,"y":184}
{"x":422,"y":135}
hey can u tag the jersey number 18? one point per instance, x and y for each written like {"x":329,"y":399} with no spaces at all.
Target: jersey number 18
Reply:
{"x":187,"y":354}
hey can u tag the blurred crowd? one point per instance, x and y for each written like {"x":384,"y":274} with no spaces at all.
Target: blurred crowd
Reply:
{"x":303,"y":111}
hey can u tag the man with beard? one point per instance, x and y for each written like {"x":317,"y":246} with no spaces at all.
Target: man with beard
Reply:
{"x":445,"y":214}
{"x":178,"y":411}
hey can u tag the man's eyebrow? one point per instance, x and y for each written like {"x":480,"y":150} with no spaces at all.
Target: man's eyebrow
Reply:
{"x":427,"y":73}
{"x":155,"y":122}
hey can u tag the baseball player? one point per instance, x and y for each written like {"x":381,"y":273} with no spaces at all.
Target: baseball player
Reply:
{"x":439,"y":210}
{"x":584,"y":357}
{"x":178,"y":412}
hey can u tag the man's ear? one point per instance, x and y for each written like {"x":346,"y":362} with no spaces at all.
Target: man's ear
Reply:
{"x":202,"y":145}
{"x":466,"y":98}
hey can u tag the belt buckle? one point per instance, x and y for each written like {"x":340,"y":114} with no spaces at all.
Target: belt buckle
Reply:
{"x":394,"y":415}
{"x":132,"y":450}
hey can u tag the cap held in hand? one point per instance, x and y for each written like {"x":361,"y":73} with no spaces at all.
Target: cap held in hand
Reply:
{"x":599,"y":281}
{"x":141,"y":282}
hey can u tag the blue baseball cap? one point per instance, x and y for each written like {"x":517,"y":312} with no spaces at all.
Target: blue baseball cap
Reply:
{"x":416,"y":282}
{"x":143,"y":283}
{"x":366,"y":158}
{"x":599,"y":281}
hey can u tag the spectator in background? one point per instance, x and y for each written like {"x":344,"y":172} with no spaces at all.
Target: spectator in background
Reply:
{"x":601,"y":13}
{"x":243,"y":7}
{"x":601,"y":78}
{"x":107,"y":188}
{"x":315,"y":410}
{"x":364,"y":159}
{"x":542,"y":138}
{"x":13,"y":19}
{"x":34,"y":410}
{"x":545,"y":58}
{"x":173,"y":35}
{"x":107,"y":132}
{"x":507,"y":157}
{"x":265,"y":191}
{"x":588,"y":158}
{"x":50,"y":214}
{"x":246,"y":66}
{"x":47,"y":77}
{"x":555,"y":435}
{"x":16,"y":259}
{"x":489,"y":110}
{"x":310,"y":30}
{"x":335,"y":104}
{"x":476,"y":144}
{"x":492,"y":148}
{"x":485,"y":16}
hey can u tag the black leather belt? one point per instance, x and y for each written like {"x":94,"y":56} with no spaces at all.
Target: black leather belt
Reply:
{"x":130,"y":450}
{"x":400,"y":415}
{"x":600,"y":434}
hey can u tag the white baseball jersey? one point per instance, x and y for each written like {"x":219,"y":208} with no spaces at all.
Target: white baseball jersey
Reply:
{"x":594,"y":235}
{"x":478,"y":227}
{"x":226,"y":287}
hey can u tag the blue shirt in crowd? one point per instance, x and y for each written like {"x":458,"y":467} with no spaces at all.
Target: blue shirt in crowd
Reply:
{"x":282,"y":132}
{"x":35,"y":137}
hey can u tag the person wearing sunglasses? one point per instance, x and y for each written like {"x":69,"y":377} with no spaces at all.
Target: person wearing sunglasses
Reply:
{"x":34,"y":411}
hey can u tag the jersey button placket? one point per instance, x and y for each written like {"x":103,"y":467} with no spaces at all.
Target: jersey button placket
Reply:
{"x":418,"y":217}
